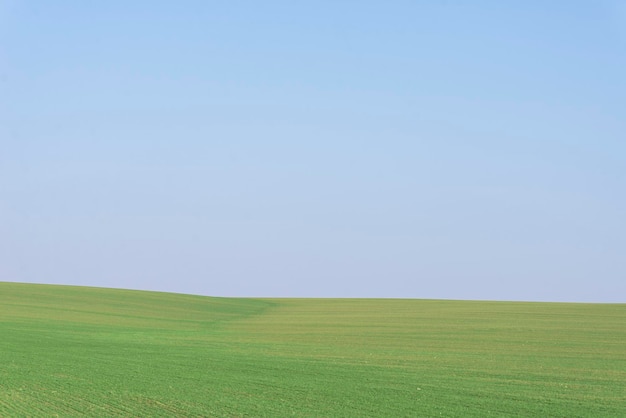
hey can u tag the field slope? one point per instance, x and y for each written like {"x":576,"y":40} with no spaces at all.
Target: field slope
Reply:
{"x":76,"y":351}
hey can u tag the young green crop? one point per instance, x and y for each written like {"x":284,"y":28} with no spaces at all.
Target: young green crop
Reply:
{"x":74,"y":351}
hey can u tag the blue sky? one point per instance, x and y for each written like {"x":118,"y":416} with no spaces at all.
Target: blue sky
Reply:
{"x":443,"y":149}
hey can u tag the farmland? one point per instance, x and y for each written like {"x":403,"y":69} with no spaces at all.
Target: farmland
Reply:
{"x":76,"y":351}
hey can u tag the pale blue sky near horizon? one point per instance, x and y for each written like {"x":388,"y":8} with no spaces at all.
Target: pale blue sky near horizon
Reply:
{"x":443,"y":149}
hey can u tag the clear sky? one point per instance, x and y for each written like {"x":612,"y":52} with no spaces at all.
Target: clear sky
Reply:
{"x":421,"y":149}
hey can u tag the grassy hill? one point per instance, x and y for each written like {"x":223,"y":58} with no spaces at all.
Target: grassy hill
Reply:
{"x":75,"y":351}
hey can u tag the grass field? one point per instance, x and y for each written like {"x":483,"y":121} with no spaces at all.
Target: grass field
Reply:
{"x":75,"y":351}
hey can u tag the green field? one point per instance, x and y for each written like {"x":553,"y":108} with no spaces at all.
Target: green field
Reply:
{"x":75,"y":351}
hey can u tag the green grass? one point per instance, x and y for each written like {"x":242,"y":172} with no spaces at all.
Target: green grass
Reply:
{"x":75,"y":351}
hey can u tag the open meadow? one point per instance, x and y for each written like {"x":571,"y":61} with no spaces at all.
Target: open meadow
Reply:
{"x":76,"y":351}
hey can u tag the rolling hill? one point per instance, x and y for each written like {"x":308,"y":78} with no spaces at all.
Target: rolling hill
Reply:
{"x":76,"y":351}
